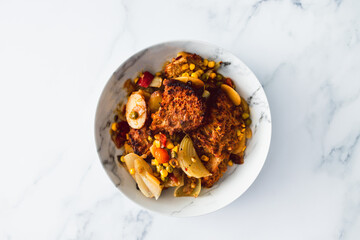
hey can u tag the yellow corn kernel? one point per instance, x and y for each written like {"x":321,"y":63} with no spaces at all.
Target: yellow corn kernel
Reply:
{"x":136,"y":80}
{"x":159,"y":168}
{"x":206,"y":62}
{"x":170,"y":169}
{"x":185,"y":74}
{"x":244,"y":148}
{"x":194,"y":75}
{"x":193,"y":185}
{"x":163,"y":178}
{"x":185,"y":66}
{"x":132,"y":171}
{"x":243,"y":130}
{"x":192,"y":66}
{"x":193,"y":159}
{"x":164,"y":173}
{"x":127,"y":136}
{"x":238,"y":132}
{"x":218,"y":128}
{"x":149,"y":138}
{"x":158,"y":74}
{"x":165,"y":164}
{"x":169,"y":145}
{"x":114,"y":126}
{"x":176,"y":148}
{"x":154,"y":162}
{"x":122,"y":159}
{"x":199,"y":72}
{"x":157,"y":136}
{"x":212,"y":75}
{"x":245,"y":115}
{"x":230,"y":163}
{"x":204,"y":158}
{"x":157,"y":143}
{"x":211,"y":64}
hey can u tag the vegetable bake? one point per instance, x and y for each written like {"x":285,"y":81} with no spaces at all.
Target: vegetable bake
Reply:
{"x":182,"y":127}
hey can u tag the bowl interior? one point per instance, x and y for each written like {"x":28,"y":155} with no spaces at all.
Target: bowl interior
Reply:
{"x":236,"y":180}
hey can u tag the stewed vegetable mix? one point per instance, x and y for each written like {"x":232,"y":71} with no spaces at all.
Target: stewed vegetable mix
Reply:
{"x":181,"y":127}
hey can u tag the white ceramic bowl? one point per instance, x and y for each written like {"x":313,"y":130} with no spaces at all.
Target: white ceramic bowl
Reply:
{"x":236,"y":180}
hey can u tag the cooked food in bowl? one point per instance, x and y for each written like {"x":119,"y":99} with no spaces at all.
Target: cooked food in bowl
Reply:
{"x":181,"y":127}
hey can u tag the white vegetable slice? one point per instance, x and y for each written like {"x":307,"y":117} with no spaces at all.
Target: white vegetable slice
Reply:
{"x":156,"y":82}
{"x":194,"y":193}
{"x":136,"y":104}
{"x":142,"y":186}
{"x":189,"y":161}
{"x":232,"y":94}
{"x":145,"y":172}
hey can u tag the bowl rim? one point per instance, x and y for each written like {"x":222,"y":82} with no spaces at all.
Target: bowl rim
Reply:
{"x":268,"y":143}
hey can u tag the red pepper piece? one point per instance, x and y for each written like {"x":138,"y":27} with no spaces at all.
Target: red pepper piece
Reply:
{"x":145,"y":79}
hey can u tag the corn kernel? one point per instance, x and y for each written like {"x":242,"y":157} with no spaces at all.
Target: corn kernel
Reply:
{"x":165,"y":164}
{"x":193,"y":185}
{"x":238,"y":132}
{"x":154,"y":162}
{"x":185,"y":66}
{"x":204,"y":158}
{"x":211,"y":64}
{"x":243,"y":130}
{"x":193,"y":159}
{"x":169,"y":169}
{"x":127,"y":136}
{"x":136,"y":80}
{"x":150,"y":139}
{"x":157,"y":136}
{"x":212,"y":75}
{"x":199,"y":72}
{"x":157,"y":143}
{"x":185,"y":74}
{"x":218,"y":128}
{"x":192,"y":66}
{"x":159,"y":168}
{"x":245,"y":115}
{"x":158,"y":74}
{"x":176,"y":148}
{"x":173,"y":154}
{"x":114,"y":126}
{"x":230,"y":163}
{"x":132,"y":171}
{"x":163,"y":178}
{"x":194,"y":75}
{"x":244,"y":148}
{"x":122,"y":159}
{"x":169,"y":145}
{"x":164,"y":173}
{"x":206,"y":62}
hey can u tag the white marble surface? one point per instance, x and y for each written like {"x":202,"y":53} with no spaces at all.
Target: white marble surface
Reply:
{"x":56,"y":57}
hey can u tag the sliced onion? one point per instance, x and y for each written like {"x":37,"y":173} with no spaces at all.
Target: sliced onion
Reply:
{"x":195,"y":192}
{"x":232,"y":94}
{"x":195,"y":81}
{"x":189,"y":161}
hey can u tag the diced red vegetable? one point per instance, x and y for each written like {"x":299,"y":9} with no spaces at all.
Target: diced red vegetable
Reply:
{"x":229,"y":82}
{"x":145,"y":79}
{"x":162,"y":140}
{"x":174,"y":179}
{"x":119,"y":136}
{"x":161,"y":155}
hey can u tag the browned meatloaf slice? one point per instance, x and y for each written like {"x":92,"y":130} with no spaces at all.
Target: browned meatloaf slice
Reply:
{"x":182,"y":109}
{"x":139,"y":140}
{"x":218,"y":137}
{"x":174,"y":68}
